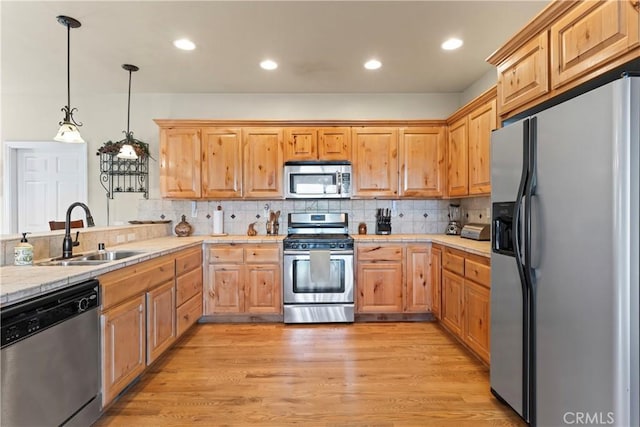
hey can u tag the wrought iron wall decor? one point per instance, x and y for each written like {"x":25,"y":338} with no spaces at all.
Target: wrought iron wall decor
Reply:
{"x":124,"y":176}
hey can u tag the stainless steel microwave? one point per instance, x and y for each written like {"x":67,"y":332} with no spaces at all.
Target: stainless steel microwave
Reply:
{"x":314,"y":179}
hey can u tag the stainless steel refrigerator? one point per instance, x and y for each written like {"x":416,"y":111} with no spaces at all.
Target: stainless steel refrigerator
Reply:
{"x":565,"y":260}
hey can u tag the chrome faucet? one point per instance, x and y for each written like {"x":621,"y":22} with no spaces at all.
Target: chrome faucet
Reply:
{"x":67,"y":243}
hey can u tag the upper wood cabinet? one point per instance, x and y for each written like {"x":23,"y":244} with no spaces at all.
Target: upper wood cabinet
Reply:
{"x":458,"y":156}
{"x":180,"y":152}
{"x":221,"y":163}
{"x":328,"y":143}
{"x":375,"y":162}
{"x":567,"y":44}
{"x":263,"y":154}
{"x":524,"y":76}
{"x":422,"y":161}
{"x":481,"y":122}
{"x":591,"y":34}
{"x":469,"y":147}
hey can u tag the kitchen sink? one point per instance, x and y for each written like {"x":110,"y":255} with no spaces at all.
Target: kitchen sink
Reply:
{"x":93,"y":258}
{"x":109,"y":255}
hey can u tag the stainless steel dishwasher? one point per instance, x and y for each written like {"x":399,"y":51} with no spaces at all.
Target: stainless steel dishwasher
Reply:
{"x":50,"y":359}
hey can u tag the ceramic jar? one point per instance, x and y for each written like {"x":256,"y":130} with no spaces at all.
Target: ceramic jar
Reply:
{"x":183,"y":228}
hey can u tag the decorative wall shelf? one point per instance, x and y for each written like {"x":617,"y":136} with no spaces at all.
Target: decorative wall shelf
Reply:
{"x":124,"y":176}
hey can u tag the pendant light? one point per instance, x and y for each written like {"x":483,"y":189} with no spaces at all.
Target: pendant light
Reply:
{"x":126,"y":151}
{"x":68,"y":131}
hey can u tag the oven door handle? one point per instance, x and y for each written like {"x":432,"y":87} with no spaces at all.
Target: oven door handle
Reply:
{"x":306,"y":253}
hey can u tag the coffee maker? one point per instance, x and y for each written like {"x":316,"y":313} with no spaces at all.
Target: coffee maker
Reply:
{"x":455,"y":226}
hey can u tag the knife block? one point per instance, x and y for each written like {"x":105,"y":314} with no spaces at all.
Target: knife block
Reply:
{"x":383,"y":227}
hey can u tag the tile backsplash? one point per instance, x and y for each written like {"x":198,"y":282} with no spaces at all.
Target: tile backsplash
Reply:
{"x":409,"y":217}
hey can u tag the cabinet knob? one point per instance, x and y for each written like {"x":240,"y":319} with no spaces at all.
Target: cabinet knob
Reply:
{"x":212,"y":294}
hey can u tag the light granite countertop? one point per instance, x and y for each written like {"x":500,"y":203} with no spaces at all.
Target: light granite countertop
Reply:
{"x":18,"y":283}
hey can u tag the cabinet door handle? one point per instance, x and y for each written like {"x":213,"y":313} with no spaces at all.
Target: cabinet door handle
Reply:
{"x":212,"y":294}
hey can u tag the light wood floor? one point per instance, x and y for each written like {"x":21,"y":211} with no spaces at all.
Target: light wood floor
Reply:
{"x":364,"y":374}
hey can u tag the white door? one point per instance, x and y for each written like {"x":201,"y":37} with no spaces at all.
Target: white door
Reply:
{"x":47,"y":178}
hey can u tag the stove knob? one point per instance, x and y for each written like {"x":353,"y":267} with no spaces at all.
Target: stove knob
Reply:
{"x":332,"y":245}
{"x":83,"y":304}
{"x":341,"y":245}
{"x":303,"y":246}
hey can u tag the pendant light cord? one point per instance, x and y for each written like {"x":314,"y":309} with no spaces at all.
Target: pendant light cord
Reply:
{"x":69,"y":69}
{"x":129,"y":105}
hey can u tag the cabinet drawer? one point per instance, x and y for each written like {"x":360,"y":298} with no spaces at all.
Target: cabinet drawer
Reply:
{"x":479,"y":273}
{"x":188,"y":285}
{"x":189,"y":313}
{"x":262,"y":254}
{"x":453,"y":261}
{"x":124,"y":283}
{"x":225,"y":254}
{"x":189,"y":260}
{"x":379,"y":253}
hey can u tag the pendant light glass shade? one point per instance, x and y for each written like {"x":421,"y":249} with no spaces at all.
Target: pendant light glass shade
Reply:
{"x":127,"y":152}
{"x":68,"y":131}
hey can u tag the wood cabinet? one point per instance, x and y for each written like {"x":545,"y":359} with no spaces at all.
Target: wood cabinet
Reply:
{"x":375,"y":162}
{"x":123,"y":346}
{"x":465,"y":309}
{"x":452,"y":304}
{"x":180,"y":152}
{"x":383,"y":285}
{"x":435,"y":271}
{"x":482,"y":121}
{"x":458,"y":160}
{"x":565,"y":45}
{"x":418,"y":296}
{"x":243,"y":278}
{"x":221,"y":162}
{"x":591,"y":34}
{"x":422,"y":161}
{"x":161,"y":319}
{"x":524,"y":76}
{"x":263,"y":163}
{"x":137,"y":319}
{"x":469,"y":147}
{"x":327,"y":143}
{"x":188,"y":289}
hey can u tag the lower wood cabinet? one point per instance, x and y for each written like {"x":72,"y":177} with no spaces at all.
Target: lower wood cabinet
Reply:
{"x":393,"y":278}
{"x":188,"y":289}
{"x":161,"y":319}
{"x":243,"y":278}
{"x":435,"y":270}
{"x":138,"y":318}
{"x":465,"y":293}
{"x":452,"y":301}
{"x":123,"y":346}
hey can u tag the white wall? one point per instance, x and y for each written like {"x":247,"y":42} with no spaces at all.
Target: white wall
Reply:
{"x":104,"y":117}
{"x":489,"y":79}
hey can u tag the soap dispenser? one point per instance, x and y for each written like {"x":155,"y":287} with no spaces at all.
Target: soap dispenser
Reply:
{"x":23,"y":252}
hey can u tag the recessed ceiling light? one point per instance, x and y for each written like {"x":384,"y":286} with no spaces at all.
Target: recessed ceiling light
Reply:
{"x":451,"y":44}
{"x":372,"y":64}
{"x":184,"y":44}
{"x":268,"y":64}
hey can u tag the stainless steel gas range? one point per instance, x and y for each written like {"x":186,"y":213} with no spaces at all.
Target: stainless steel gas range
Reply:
{"x":318,"y":269}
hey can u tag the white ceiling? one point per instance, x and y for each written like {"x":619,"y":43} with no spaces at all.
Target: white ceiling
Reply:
{"x":320,"y":46}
